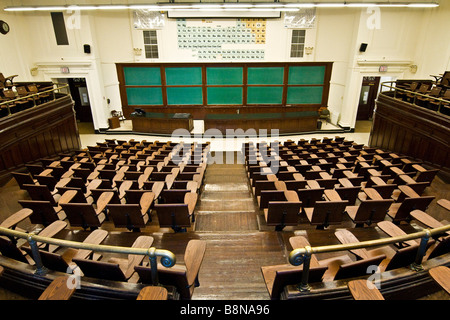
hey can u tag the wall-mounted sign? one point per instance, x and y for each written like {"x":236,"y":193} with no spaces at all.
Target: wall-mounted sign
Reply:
{"x":65,"y":70}
{"x":383,"y":69}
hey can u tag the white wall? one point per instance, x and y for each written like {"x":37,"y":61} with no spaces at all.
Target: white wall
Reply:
{"x":403,"y":37}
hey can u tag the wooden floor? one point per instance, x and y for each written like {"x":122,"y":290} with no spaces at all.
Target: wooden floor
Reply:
{"x":238,"y":240}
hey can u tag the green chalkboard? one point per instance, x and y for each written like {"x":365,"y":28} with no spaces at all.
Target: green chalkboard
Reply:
{"x":184,"y":76}
{"x":224,"y":95}
{"x":142,"y":76}
{"x":262,"y":75}
{"x":224,"y":76}
{"x":184,"y":96}
{"x":144,"y":96}
{"x":306,"y":75}
{"x":264,"y":95}
{"x":304,"y":95}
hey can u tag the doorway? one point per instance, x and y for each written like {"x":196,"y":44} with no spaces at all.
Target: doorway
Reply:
{"x":82,"y":105}
{"x":369,"y":91}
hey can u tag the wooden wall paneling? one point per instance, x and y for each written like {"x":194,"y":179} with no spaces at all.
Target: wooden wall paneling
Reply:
{"x":408,"y":129}
{"x":37,"y":133}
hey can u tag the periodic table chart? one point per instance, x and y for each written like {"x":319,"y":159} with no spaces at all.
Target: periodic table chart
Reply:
{"x":240,"y":39}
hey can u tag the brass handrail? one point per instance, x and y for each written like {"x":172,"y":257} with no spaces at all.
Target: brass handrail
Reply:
{"x":33,"y":95}
{"x":395,"y":89}
{"x":168,"y":259}
{"x":301,"y":256}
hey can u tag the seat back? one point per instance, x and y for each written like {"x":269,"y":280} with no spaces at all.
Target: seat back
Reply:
{"x":328,"y":212}
{"x":372,"y":211}
{"x":426,"y":176}
{"x":291,"y":276}
{"x":41,"y":193}
{"x":126,"y":216}
{"x":309,"y":197}
{"x":270,"y":195}
{"x":43,"y":211}
{"x":261,"y":185}
{"x":23,"y":178}
{"x":10,"y":250}
{"x":166,"y":276}
{"x":403,"y":257}
{"x":348,"y":193}
{"x":442,"y":247}
{"x":100,"y":269}
{"x":173,"y":195}
{"x":283,"y":213}
{"x":410,"y":204}
{"x":358,"y":268}
{"x":50,"y":260}
{"x":385,"y":190}
{"x":175,"y":215}
{"x":82,"y":215}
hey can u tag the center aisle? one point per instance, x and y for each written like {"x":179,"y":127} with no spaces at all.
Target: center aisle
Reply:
{"x":226,"y":217}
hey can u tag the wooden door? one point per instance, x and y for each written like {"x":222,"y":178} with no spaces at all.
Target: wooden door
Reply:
{"x":80,"y":96}
{"x":368,"y":94}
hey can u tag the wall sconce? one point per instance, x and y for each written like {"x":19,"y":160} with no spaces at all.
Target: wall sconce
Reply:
{"x":137,"y":51}
{"x":309,"y":50}
{"x":413,"y":68}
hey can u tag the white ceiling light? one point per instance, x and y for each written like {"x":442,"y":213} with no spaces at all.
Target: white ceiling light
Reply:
{"x":222,"y":6}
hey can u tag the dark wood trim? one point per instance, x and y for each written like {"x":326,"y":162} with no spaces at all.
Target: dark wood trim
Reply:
{"x":412,"y":130}
{"x":195,"y":109}
{"x":42,"y":131}
{"x":402,"y":283}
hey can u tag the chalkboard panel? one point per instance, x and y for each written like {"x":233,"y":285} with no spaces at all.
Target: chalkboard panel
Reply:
{"x":267,"y":75}
{"x":184,"y":76}
{"x":221,"y":76}
{"x":306,"y":75}
{"x":142,"y":76}
{"x":264,"y":95}
{"x":184,"y":96}
{"x":224,"y":95}
{"x":304,"y":95}
{"x":144,"y":96}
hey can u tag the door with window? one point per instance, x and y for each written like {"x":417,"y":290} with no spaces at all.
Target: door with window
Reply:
{"x":368,"y":94}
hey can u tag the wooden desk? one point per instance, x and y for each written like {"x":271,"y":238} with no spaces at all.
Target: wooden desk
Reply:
{"x":332,"y":195}
{"x":373,"y":194}
{"x":408,"y":191}
{"x":162,"y":123}
{"x":114,"y":122}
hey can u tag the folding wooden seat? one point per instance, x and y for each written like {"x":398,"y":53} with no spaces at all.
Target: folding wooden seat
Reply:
{"x":309,"y":196}
{"x":270,"y":195}
{"x":14,"y":219}
{"x":355,"y":269}
{"x":49,"y":232}
{"x":177,"y":215}
{"x":401,"y":211}
{"x":327,"y":181}
{"x":23,"y":178}
{"x":183,"y":277}
{"x":153,"y":293}
{"x":369,"y":211}
{"x":43,"y":211}
{"x":347,"y":191}
{"x":131,"y":216}
{"x":62,"y":262}
{"x":117,"y":269}
{"x":83,"y":215}
{"x":282,"y":213}
{"x":261,"y":185}
{"x":326,"y":213}
{"x":441,"y":275}
{"x":58,"y":290}
{"x":427,"y":220}
{"x":173,"y":195}
{"x":360,"y":290}
{"x":279,"y":276}
{"x":41,"y":193}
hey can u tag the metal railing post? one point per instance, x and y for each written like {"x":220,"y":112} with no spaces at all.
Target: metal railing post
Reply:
{"x":153,"y":266}
{"x":40,"y":269}
{"x":304,"y":286}
{"x":417,"y":264}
